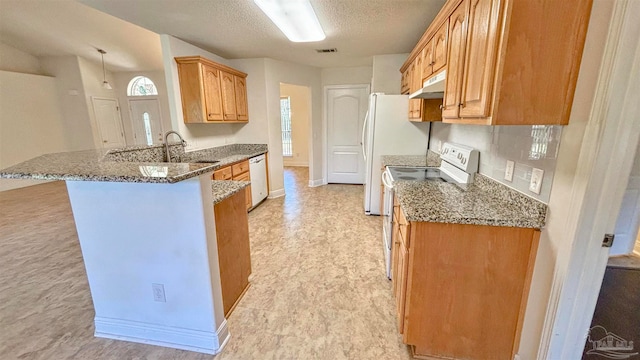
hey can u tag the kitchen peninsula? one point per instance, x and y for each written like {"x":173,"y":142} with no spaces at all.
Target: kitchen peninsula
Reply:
{"x":148,"y":237}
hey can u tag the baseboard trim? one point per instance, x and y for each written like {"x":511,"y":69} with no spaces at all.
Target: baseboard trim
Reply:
{"x":276,"y":193}
{"x":160,"y":335}
{"x":315,"y":183}
{"x":296,"y":164}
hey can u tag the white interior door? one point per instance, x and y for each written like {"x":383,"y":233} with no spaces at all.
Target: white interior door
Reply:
{"x":146,"y":121}
{"x":346,"y":108}
{"x":107,"y":114}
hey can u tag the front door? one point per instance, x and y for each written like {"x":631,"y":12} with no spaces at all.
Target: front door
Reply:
{"x":107,"y":115}
{"x":346,"y":110}
{"x":146,"y":121}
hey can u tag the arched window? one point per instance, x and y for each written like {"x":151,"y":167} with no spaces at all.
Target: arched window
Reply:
{"x":141,"y":86}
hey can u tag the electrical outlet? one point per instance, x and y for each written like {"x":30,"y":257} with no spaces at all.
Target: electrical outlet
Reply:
{"x":158,"y":293}
{"x":508,"y":171}
{"x":536,"y":180}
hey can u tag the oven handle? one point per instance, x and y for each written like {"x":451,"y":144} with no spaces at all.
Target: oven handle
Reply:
{"x":385,"y":179}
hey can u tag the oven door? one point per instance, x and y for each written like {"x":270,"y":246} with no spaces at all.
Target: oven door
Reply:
{"x":387,"y":217}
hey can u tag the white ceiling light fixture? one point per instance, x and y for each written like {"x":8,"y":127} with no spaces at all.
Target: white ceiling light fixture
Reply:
{"x":295,"y":18}
{"x":105,"y":83}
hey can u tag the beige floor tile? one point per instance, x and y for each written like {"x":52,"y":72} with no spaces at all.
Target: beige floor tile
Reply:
{"x":318,"y":287}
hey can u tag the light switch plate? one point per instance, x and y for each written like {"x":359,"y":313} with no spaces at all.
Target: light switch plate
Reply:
{"x":508,"y":171}
{"x":536,"y":180}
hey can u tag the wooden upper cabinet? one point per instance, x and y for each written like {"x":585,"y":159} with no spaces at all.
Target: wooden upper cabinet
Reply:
{"x":457,"y":40}
{"x":427,"y":61}
{"x":508,"y":62}
{"x":480,"y":57}
{"x":242,"y":107}
{"x":404,"y":84}
{"x":440,"y":47}
{"x":211,"y":92}
{"x":212,"y":98}
{"x":228,"y":95}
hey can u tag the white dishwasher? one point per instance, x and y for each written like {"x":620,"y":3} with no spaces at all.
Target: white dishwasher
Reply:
{"x":258,"y":173}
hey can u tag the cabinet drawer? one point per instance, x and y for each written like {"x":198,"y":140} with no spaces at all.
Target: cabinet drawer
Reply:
{"x":240,"y":168}
{"x":222,"y":174}
{"x":242,"y":177}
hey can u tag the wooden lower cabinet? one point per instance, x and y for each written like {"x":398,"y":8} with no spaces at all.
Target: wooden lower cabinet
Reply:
{"x":461,"y":290}
{"x":238,"y":171}
{"x":232,"y":233}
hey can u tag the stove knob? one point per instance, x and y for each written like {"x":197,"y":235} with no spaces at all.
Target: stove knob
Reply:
{"x":459,"y":156}
{"x":464,"y":161}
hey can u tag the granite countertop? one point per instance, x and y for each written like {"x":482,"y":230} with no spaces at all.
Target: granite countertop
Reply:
{"x":225,"y":155}
{"x":432,"y":159}
{"x":133,"y":164}
{"x":484,"y":202}
{"x":223,"y":189}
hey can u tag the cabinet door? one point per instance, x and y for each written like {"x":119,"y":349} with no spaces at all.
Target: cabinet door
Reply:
{"x":242,"y":107}
{"x":457,"y":39}
{"x":440,"y":47}
{"x":395,"y":252}
{"x":228,"y":96}
{"x":403,"y":263}
{"x":427,"y":61}
{"x":404,"y":84}
{"x":212,"y":93}
{"x":415,"y":105}
{"x":480,"y":56}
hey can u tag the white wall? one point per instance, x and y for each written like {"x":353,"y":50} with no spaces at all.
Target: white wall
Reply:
{"x":300,"y":100}
{"x":386,"y":73}
{"x":198,"y":136}
{"x":72,"y":100}
{"x":628,"y":220}
{"x":12,"y":59}
{"x":553,"y":238}
{"x":121,"y":83}
{"x":31,"y":121}
{"x":346,"y":75}
{"x":92,"y":78}
{"x":497,"y":144}
{"x":278,"y":72}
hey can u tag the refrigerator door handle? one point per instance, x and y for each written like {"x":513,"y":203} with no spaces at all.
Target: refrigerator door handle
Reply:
{"x":364,"y":126}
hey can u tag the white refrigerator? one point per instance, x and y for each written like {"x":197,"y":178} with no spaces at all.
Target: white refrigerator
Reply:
{"x":388,"y":131}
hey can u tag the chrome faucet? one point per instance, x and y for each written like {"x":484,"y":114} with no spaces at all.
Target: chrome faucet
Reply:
{"x":166,"y":143}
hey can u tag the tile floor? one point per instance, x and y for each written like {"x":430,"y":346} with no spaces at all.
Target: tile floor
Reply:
{"x":318,"y":286}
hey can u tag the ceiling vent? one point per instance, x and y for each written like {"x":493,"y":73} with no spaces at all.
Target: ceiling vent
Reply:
{"x":322,"y":51}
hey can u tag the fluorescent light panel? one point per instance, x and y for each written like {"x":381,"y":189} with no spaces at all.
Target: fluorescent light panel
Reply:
{"x":295,"y":18}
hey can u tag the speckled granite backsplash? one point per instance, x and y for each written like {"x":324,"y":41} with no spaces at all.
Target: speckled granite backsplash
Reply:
{"x":227,"y":150}
{"x":156,"y":153}
{"x":153,"y":153}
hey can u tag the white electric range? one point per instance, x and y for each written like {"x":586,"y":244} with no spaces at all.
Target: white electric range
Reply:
{"x":458,"y":165}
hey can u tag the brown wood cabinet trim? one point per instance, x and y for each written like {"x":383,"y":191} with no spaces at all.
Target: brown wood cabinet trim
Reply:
{"x":533,"y":252}
{"x":442,"y":16}
{"x":203,"y":60}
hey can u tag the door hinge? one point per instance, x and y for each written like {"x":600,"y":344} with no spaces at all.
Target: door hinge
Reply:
{"x":608,"y":240}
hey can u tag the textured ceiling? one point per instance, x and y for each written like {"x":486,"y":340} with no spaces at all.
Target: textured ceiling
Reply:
{"x":232,"y":29}
{"x":359,"y":29}
{"x":58,"y":28}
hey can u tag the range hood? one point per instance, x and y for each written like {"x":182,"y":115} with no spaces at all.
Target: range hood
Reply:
{"x":433,"y":88}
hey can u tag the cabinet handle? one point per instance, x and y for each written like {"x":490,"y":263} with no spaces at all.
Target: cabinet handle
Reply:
{"x":441,"y":107}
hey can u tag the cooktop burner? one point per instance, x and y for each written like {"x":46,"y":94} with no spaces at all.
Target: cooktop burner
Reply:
{"x":419,"y":174}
